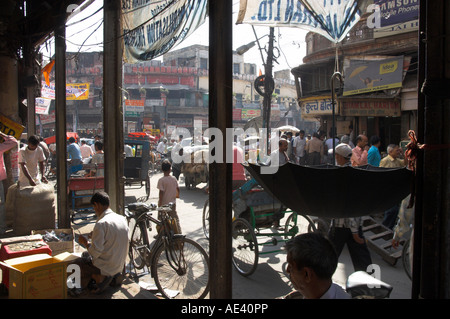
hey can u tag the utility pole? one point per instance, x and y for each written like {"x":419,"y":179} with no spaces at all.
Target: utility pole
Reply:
{"x":268,"y":87}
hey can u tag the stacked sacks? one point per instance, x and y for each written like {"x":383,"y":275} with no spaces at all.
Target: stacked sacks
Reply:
{"x":30,"y":207}
{"x":196,"y":162}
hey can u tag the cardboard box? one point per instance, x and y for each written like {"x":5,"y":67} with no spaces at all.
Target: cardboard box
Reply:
{"x":39,"y":276}
{"x":58,"y":247}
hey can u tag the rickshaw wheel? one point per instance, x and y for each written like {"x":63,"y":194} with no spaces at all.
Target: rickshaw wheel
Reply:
{"x":205,"y":218}
{"x":244,"y":247}
{"x":297,"y":224}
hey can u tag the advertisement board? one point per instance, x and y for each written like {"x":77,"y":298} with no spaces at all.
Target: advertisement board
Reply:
{"x":74,"y":91}
{"x":368,"y":76}
{"x":397,"y":16}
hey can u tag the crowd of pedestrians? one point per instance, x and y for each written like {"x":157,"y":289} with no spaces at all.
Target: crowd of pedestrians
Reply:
{"x":348,"y":151}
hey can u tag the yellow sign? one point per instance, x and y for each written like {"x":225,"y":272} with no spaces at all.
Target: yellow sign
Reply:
{"x":77,"y":91}
{"x":9,"y":127}
{"x":388,"y":67}
{"x":74,"y":91}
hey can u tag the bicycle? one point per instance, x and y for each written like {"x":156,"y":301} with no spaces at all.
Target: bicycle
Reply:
{"x":176,"y":263}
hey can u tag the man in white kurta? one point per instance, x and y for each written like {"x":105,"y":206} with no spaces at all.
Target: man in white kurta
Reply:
{"x":109,"y":242}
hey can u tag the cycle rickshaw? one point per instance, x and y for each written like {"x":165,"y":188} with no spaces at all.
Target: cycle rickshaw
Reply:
{"x":257,"y":215}
{"x":325,"y":191}
{"x":137,"y":164}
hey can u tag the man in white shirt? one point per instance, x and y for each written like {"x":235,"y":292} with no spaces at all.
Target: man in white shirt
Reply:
{"x":108,"y":247}
{"x":30,"y":158}
{"x":161,"y":148}
{"x":86,"y":150}
{"x":312,"y":262}
{"x":299,"y":148}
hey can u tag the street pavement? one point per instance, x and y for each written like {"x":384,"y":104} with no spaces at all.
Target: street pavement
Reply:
{"x":270,"y":279}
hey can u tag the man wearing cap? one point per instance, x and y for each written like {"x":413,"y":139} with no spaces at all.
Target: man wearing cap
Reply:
{"x":348,"y":230}
{"x":343,"y":153}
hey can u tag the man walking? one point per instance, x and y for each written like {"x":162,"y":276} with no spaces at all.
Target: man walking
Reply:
{"x":299,"y":148}
{"x":348,"y":230}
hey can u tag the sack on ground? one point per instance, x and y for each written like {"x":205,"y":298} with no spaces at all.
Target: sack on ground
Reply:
{"x":34,"y":208}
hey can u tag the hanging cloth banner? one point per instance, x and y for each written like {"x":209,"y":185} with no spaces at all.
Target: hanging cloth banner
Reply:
{"x":329,"y":18}
{"x":151,"y":28}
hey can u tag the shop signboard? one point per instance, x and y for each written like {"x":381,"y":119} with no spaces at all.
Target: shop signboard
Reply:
{"x":247,"y":114}
{"x":316,"y":106}
{"x":237,"y":114}
{"x":134,"y":108}
{"x":397,"y":16}
{"x":181,"y":122}
{"x":41,"y":105}
{"x":370,"y":108}
{"x":10,"y":127}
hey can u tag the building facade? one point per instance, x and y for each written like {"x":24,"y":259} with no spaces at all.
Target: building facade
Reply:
{"x":378,"y":94}
{"x":160,"y":96}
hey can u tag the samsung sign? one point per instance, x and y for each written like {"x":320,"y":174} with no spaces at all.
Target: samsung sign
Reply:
{"x":397,"y":16}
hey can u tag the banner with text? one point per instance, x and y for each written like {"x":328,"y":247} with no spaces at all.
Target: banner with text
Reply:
{"x":331,"y":19}
{"x":151,"y":28}
{"x":74,"y":91}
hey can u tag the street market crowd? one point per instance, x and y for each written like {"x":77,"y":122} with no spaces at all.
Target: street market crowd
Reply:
{"x":106,"y":249}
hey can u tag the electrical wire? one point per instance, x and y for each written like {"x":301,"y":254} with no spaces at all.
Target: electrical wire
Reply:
{"x":76,"y":22}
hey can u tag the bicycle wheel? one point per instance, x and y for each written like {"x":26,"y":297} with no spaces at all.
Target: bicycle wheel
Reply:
{"x":405,"y":259}
{"x":205,"y":218}
{"x":244,"y":247}
{"x":182,"y":269}
{"x":297,"y":224}
{"x":138,"y":250}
